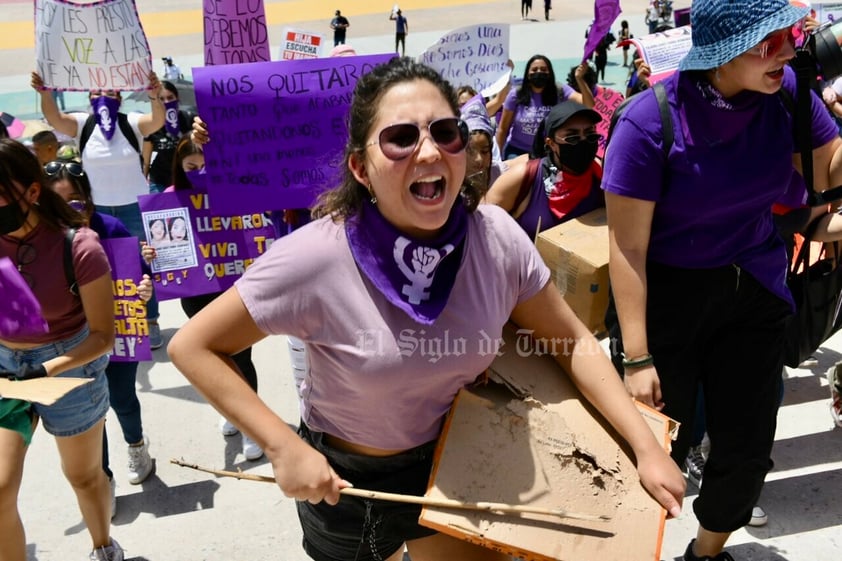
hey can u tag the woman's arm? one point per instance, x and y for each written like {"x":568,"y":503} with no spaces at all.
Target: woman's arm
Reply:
{"x":629,"y":228}
{"x":62,"y":122}
{"x":151,"y":122}
{"x":201,"y":350}
{"x":146,"y":153}
{"x":587,"y":365}
{"x":585,"y":96}
{"x":503,"y":192}
{"x":503,"y":129}
{"x":98,"y":303}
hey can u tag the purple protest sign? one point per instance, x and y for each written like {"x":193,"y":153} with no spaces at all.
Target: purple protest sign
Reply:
{"x":199,"y":250}
{"x":20,"y":311}
{"x":604,"y":14}
{"x":131,"y":330}
{"x":277,"y":129}
{"x":235,"y":32}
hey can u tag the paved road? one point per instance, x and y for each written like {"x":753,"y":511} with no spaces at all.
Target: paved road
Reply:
{"x":180,"y":514}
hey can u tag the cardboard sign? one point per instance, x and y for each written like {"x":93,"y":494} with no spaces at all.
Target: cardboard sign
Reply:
{"x":473,"y":56}
{"x":45,"y":391}
{"x":98,"y":46}
{"x":235,"y":32}
{"x":532,"y":440}
{"x":298,"y":45}
{"x":131,"y":330}
{"x":606,"y":101}
{"x":200,"y":251}
{"x":277,"y":129}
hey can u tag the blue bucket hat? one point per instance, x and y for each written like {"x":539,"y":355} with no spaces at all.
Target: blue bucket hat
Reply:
{"x":725,"y":29}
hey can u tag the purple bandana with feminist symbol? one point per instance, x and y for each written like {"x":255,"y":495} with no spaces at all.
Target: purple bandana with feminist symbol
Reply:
{"x":105,"y":112}
{"x":171,"y":123}
{"x":416,"y":276}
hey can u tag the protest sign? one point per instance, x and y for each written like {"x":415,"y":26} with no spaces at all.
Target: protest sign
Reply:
{"x":131,"y":330}
{"x":99,"y":46}
{"x":203,"y":251}
{"x":278,"y":129}
{"x":20,"y":311}
{"x":604,"y":14}
{"x":663,"y":51}
{"x":829,"y":12}
{"x":473,"y":56}
{"x":298,"y":44}
{"x":606,"y":101}
{"x":235,"y":32}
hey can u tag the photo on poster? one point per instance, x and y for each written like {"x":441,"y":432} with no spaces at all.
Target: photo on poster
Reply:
{"x":170,"y":234}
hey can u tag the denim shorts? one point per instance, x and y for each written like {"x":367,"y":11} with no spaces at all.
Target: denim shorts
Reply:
{"x":81,"y":408}
{"x":363,"y":529}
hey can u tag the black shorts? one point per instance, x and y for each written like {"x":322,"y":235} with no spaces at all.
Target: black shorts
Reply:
{"x":364,"y":529}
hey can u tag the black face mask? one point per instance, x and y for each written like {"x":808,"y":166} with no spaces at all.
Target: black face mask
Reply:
{"x":11,"y":218}
{"x":539,"y":79}
{"x":576,"y":157}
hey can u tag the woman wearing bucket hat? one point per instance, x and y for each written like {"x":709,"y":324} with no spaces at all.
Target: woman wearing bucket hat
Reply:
{"x":561,"y":185}
{"x":698,"y":271}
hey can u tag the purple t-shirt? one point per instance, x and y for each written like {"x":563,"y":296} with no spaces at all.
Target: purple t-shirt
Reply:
{"x":715,"y":191}
{"x":364,"y":352}
{"x":527,"y":118}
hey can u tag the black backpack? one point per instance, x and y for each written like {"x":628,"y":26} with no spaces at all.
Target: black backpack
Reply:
{"x":122,"y":122}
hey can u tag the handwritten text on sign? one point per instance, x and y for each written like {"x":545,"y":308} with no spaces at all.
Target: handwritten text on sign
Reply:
{"x":131,"y":330}
{"x":278,"y":129}
{"x":82,"y":47}
{"x":474,"y":56}
{"x":235,"y":32}
{"x":223,"y":245}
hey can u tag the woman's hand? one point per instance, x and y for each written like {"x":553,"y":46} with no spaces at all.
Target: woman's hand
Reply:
{"x":154,"y":87}
{"x":147,"y":252}
{"x":662,"y":479}
{"x":37,"y":82}
{"x":305,"y":475}
{"x":644,"y":385}
{"x":144,"y":288}
{"x":199,"y":134}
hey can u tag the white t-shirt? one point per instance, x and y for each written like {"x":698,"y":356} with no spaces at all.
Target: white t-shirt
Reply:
{"x":113,"y":167}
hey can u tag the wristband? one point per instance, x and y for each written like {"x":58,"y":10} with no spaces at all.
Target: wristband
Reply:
{"x":638,"y":362}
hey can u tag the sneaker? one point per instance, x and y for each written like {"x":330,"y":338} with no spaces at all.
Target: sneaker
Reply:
{"x":113,"y":484}
{"x":758,"y":517}
{"x":834,"y":380}
{"x":140,"y":463}
{"x":156,"y":340}
{"x":111,"y":553}
{"x":695,"y":464}
{"x":690,"y":556}
{"x":251,"y":450}
{"x":227,"y":428}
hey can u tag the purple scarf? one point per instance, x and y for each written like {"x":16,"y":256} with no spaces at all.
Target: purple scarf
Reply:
{"x":105,"y":111}
{"x":416,"y":276}
{"x":171,"y":124}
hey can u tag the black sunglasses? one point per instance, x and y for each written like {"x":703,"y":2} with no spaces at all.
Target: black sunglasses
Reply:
{"x":73,"y":168}
{"x":399,"y":141}
{"x":592,"y":137}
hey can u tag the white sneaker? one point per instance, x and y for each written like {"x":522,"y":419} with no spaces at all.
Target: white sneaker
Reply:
{"x":112,"y":483}
{"x":227,"y":428}
{"x":758,"y":517}
{"x":111,"y":553}
{"x":140,"y":463}
{"x":251,"y":450}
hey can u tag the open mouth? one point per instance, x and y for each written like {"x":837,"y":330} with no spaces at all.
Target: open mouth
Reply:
{"x":776,"y":74}
{"x":428,"y":189}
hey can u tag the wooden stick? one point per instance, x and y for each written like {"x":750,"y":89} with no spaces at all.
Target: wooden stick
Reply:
{"x":413,"y":499}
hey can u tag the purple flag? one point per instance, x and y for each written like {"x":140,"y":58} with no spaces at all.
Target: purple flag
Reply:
{"x":604,"y":14}
{"x":20,"y":311}
{"x":131,"y":330}
{"x":277,"y":129}
{"x":235,"y":32}
{"x":200,"y":249}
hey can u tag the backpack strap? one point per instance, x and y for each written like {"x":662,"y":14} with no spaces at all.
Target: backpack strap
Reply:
{"x":69,"y":269}
{"x":122,"y":122}
{"x":667,"y":128}
{"x":532,"y":167}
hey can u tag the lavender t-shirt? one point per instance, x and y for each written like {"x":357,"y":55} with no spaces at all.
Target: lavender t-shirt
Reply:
{"x":715,"y":191}
{"x":377,"y":377}
{"x":527,"y":118}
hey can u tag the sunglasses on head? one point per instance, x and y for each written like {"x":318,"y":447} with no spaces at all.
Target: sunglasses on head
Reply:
{"x":773,"y":43}
{"x":399,"y":141}
{"x":73,"y":168}
{"x":592,"y":137}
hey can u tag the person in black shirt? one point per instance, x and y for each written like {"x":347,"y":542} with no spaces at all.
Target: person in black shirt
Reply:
{"x":339,"y":24}
{"x":158,"y":147}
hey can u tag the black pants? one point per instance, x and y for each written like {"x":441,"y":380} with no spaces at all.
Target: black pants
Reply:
{"x":719,"y":328}
{"x":192,"y":305}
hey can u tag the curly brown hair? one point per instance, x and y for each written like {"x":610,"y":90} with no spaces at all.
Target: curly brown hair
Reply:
{"x":346,"y":199}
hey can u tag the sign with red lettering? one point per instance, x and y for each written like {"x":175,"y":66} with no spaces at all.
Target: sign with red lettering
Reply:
{"x":98,"y":46}
{"x":301,"y":44}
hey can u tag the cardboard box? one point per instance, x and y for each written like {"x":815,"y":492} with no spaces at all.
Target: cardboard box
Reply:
{"x":533,"y":440}
{"x":577,"y":254}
